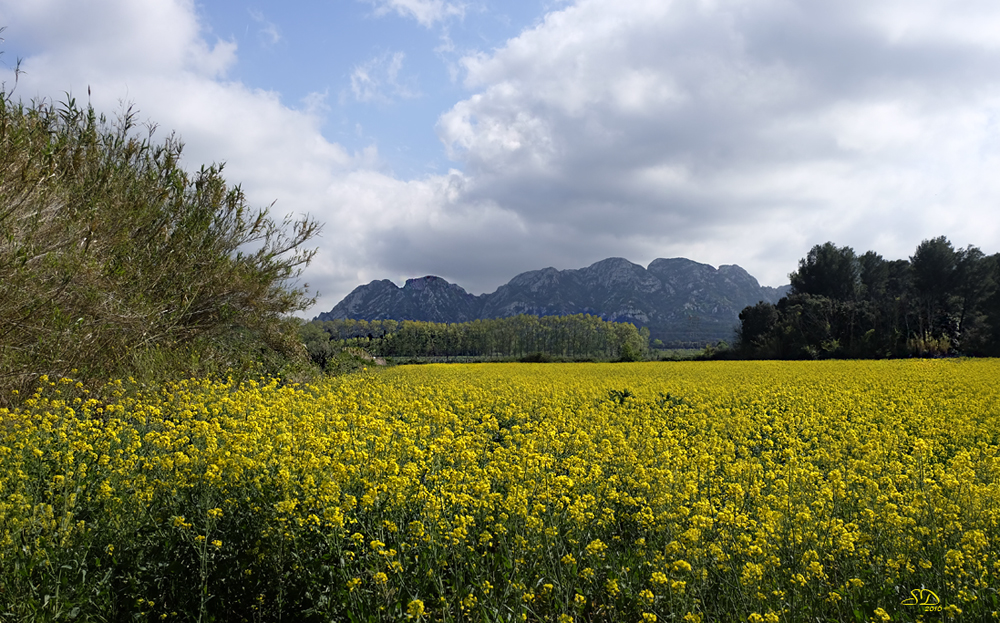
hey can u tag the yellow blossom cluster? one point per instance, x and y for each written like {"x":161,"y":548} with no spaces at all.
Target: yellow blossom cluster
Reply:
{"x":702,"y":491}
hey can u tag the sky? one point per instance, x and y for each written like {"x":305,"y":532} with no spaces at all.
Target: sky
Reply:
{"x":475,"y":140}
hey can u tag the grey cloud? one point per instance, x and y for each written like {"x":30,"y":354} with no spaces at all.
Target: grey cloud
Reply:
{"x":726,"y":124}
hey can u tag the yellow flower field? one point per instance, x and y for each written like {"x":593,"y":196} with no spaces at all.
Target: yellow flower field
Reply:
{"x":699,"y":491}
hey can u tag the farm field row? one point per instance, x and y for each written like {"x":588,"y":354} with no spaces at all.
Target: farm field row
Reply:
{"x":674,"y":491}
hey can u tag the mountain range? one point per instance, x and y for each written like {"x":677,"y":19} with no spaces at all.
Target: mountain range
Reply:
{"x":682,"y":302}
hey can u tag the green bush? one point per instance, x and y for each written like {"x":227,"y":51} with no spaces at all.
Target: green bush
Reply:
{"x":114,"y":257}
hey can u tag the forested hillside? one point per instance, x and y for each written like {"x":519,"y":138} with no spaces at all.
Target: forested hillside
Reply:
{"x":940,"y":301}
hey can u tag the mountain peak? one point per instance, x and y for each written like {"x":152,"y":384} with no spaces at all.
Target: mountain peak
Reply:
{"x":679,"y":300}
{"x":430,"y":282}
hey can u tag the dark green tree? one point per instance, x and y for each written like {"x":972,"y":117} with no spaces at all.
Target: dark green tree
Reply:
{"x":757,"y":323}
{"x":873,"y":276}
{"x":830,"y":271}
{"x":990,"y":309}
{"x":975,"y":283}
{"x":934,"y":265}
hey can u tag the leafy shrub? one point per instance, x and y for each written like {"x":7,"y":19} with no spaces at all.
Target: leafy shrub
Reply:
{"x":112,"y":254}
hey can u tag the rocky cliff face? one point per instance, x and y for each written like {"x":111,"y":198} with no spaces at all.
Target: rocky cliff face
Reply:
{"x":428,"y":298}
{"x":678,"y":299}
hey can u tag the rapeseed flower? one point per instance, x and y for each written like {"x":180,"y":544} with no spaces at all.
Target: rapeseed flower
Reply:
{"x":755,"y":489}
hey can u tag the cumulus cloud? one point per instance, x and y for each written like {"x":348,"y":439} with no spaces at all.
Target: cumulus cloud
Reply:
{"x":112,"y":39}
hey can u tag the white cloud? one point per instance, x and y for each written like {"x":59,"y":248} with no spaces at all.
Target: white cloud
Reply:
{"x":379,"y":80}
{"x":426,"y":12}
{"x":316,"y":104}
{"x":269,"y":34}
{"x":117,"y":37}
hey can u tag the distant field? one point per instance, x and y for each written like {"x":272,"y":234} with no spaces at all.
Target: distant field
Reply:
{"x":682,"y":491}
{"x":677,"y":353}
{"x":661,"y":354}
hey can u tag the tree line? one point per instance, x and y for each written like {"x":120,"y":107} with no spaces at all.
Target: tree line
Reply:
{"x":579,"y":336}
{"x":942,"y":300}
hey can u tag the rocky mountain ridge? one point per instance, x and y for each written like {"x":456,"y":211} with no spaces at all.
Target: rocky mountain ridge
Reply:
{"x":679,"y":300}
